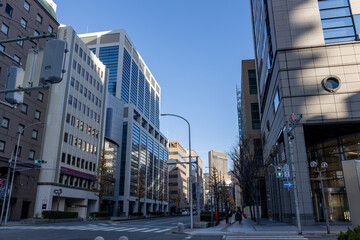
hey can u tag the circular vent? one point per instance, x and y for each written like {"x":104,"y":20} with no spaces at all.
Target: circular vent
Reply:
{"x":331,"y":83}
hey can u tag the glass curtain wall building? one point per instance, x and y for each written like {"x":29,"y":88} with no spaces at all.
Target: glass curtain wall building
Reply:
{"x":143,"y":148}
{"x":306,"y":63}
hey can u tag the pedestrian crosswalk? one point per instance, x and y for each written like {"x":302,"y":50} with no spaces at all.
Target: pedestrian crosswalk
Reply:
{"x":265,"y":237}
{"x":91,"y":227}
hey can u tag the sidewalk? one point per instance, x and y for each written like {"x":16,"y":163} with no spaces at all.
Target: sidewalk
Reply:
{"x":250,"y":227}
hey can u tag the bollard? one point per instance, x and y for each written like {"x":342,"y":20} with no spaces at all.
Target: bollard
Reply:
{"x":123,"y":238}
{"x":99,"y":238}
{"x":180,"y":228}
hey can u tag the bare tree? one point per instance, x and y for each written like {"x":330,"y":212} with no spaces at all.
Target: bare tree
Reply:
{"x":247,"y":174}
{"x":103,"y":183}
{"x":140,"y":191}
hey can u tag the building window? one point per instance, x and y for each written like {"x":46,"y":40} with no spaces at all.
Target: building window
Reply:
{"x":4,"y":28}
{"x":17,"y":58}
{"x":20,"y":43}
{"x":2,"y":48}
{"x":21,"y":128}
{"x":2,"y":146}
{"x":80,"y":52}
{"x":76,"y":47}
{"x":50,"y":29}
{"x":39,"y":18}
{"x":255,"y":116}
{"x":66,"y":137}
{"x":26,"y":6}
{"x":40,"y":96}
{"x":19,"y":150}
{"x":24,"y":108}
{"x":23,"y":23}
{"x":32,"y":154}
{"x":36,"y":33}
{"x":9,"y":10}
{"x":34,"y":134}
{"x":37,"y":114}
{"x":5,"y":122}
{"x":276,"y":100}
{"x":252,"y":82}
{"x":336,"y":20}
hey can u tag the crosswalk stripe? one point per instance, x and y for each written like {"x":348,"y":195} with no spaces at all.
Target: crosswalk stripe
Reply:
{"x":265,"y":237}
{"x":138,"y":230}
{"x":151,"y":230}
{"x":164,"y":230}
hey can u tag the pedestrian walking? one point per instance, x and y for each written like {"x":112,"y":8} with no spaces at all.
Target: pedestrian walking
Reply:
{"x":230,"y":215}
{"x":226,"y":216}
{"x":238,"y":215}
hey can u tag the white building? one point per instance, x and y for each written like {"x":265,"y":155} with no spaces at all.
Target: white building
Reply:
{"x":144,"y":147}
{"x":74,"y":132}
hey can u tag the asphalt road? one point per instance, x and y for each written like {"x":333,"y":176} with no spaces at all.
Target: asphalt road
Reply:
{"x":161,"y":228}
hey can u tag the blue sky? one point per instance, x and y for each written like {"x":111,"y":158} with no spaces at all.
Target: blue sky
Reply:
{"x":193,"y":48}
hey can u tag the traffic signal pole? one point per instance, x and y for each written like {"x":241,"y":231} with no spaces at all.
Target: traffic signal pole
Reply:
{"x":294,"y":120}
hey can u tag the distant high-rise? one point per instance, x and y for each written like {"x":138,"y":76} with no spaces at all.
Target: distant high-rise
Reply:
{"x":144,"y":147}
{"x":219,"y":161}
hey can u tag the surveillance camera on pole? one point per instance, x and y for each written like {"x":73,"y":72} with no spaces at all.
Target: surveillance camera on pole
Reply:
{"x":53,"y":60}
{"x":15,"y":79}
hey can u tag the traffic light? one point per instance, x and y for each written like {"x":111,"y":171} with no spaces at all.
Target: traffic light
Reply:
{"x":279,"y":172}
{"x":295,"y":119}
{"x":53,"y":59}
{"x":40,"y":161}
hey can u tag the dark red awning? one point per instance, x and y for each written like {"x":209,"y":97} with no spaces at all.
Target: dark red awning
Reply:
{"x":75,"y":173}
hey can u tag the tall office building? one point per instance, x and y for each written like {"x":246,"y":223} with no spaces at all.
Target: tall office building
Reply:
{"x":22,"y":19}
{"x":219,"y":161}
{"x":74,"y":130}
{"x":144,"y":148}
{"x":250,"y":125}
{"x":307,"y":62}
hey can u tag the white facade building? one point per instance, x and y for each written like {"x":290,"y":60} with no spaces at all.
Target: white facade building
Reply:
{"x":144,"y":148}
{"x":74,"y":132}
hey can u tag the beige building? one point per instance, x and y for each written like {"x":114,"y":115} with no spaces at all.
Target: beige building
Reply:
{"x":219,"y":161}
{"x":178,"y":176}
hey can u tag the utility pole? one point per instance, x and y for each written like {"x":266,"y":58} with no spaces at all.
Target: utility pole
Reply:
{"x":294,"y":120}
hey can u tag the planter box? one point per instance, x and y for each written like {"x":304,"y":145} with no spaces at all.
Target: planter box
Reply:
{"x":201,"y":224}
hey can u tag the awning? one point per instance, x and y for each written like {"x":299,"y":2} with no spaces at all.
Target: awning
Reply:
{"x":75,"y":173}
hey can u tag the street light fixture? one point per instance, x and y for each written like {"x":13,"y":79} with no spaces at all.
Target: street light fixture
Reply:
{"x":190,"y":166}
{"x":324,"y":165}
{"x":14,"y":167}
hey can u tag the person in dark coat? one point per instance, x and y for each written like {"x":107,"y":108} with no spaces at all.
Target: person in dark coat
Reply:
{"x":238,"y":215}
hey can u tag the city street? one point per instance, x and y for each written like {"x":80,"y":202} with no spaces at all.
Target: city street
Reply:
{"x":160,"y":228}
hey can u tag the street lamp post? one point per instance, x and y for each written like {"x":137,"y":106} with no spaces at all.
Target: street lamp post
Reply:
{"x":190,"y":167}
{"x":58,"y":193}
{"x":324,"y":165}
{"x":14,"y":167}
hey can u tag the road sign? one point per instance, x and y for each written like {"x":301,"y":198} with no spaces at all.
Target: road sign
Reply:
{"x":286,"y":170}
{"x":271,"y":169}
{"x":288,"y":184}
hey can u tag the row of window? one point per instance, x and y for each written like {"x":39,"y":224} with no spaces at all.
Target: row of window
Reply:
{"x":76,"y":181}
{"x":77,"y":162}
{"x":31,"y":155}
{"x":87,"y":93}
{"x":83,"y":108}
{"x":86,"y":58}
{"x":84,"y":127}
{"x":81,"y":144}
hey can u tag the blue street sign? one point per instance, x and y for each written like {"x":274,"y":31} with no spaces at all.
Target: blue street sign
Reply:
{"x":1,"y":194}
{"x":286,"y":170}
{"x":288,"y":184}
